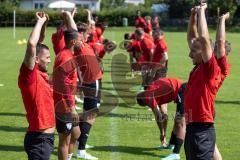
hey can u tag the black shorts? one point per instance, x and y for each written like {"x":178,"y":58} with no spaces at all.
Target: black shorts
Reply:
{"x":200,"y":141}
{"x":39,"y":145}
{"x":64,"y":126}
{"x":92,"y":95}
{"x":180,"y":100}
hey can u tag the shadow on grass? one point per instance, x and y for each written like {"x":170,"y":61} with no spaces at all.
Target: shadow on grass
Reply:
{"x":128,"y":149}
{"x":12,"y":129}
{"x":11,"y":148}
{"x":12,"y":114}
{"x":115,"y":115}
{"x":227,"y":102}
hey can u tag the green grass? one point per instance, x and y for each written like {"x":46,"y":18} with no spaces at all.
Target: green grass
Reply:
{"x":115,"y":136}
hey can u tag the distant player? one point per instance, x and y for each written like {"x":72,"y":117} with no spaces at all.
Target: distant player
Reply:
{"x":140,"y":21}
{"x":147,"y":49}
{"x":148,"y":27}
{"x":160,"y":55}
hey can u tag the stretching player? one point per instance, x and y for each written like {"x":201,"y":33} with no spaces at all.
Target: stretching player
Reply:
{"x":140,"y":21}
{"x":91,"y":74}
{"x":37,"y":94}
{"x":202,"y":87}
{"x":147,"y":48}
{"x":64,"y":85}
{"x":162,"y":91}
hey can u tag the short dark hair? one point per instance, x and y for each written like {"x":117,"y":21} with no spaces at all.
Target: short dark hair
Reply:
{"x":139,"y":31}
{"x":40,"y":47}
{"x":69,"y":35}
{"x":158,"y":30}
{"x":82,"y":27}
{"x":127,"y":36}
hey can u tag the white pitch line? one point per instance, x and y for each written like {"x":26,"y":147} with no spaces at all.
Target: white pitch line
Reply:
{"x":114,"y":140}
{"x":1,"y":85}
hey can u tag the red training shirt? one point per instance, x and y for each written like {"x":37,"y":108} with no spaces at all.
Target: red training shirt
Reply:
{"x":37,"y":97}
{"x":146,"y":46}
{"x":163,"y":90}
{"x":200,"y":92}
{"x":161,"y":47}
{"x":98,"y":49}
{"x":88,"y":64}
{"x":58,"y":40}
{"x":64,"y":81}
{"x":140,"y":22}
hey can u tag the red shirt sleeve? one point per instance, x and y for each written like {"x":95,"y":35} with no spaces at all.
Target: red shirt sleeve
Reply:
{"x":99,"y":49}
{"x":148,"y":28}
{"x":149,"y":44}
{"x":224,"y":66}
{"x":26,"y":75}
{"x":211,"y":68}
{"x":150,"y":98}
{"x":163,"y":46}
{"x":99,"y":31}
{"x":58,"y":40}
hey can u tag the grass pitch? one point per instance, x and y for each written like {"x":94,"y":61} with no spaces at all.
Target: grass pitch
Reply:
{"x":128,"y":132}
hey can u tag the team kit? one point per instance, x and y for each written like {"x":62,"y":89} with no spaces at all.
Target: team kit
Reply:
{"x":80,"y":47}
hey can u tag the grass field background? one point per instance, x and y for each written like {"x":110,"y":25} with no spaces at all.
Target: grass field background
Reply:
{"x":115,"y":135}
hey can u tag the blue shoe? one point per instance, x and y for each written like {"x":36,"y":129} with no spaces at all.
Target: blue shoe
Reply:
{"x":169,"y":146}
{"x":172,"y":156}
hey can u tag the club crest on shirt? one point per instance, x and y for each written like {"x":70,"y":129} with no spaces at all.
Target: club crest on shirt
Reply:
{"x":69,"y":126}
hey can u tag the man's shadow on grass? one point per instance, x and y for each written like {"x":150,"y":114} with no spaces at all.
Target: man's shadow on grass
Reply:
{"x":12,"y":129}
{"x":11,"y":148}
{"x":12,"y":114}
{"x":128,"y":149}
{"x":227,"y":102}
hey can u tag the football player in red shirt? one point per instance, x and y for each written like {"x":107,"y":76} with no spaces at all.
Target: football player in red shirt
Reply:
{"x":160,"y":55}
{"x":148,"y":27}
{"x":91,"y":75}
{"x":147,"y":48}
{"x":162,"y":91}
{"x":201,"y":90}
{"x":96,"y":33}
{"x":58,"y":39}
{"x":140,"y":21}
{"x":64,"y":85}
{"x":37,"y":94}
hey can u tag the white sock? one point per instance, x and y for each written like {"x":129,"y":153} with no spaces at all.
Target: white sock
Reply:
{"x":81,"y":152}
{"x":69,"y":156}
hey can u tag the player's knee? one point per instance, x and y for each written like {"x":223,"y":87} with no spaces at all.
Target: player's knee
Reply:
{"x":165,"y":117}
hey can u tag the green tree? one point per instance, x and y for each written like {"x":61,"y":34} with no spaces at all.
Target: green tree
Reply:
{"x":179,"y":8}
{"x":223,"y":5}
{"x":106,"y":4}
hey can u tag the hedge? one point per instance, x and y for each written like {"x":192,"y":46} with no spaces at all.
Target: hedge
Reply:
{"x":113,"y":16}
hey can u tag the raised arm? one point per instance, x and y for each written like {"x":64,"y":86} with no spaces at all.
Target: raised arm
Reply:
{"x":42,"y":34}
{"x":220,"y":36}
{"x":89,"y":17}
{"x":30,"y":56}
{"x":69,"y":21}
{"x":192,"y":27}
{"x":203,"y":34}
